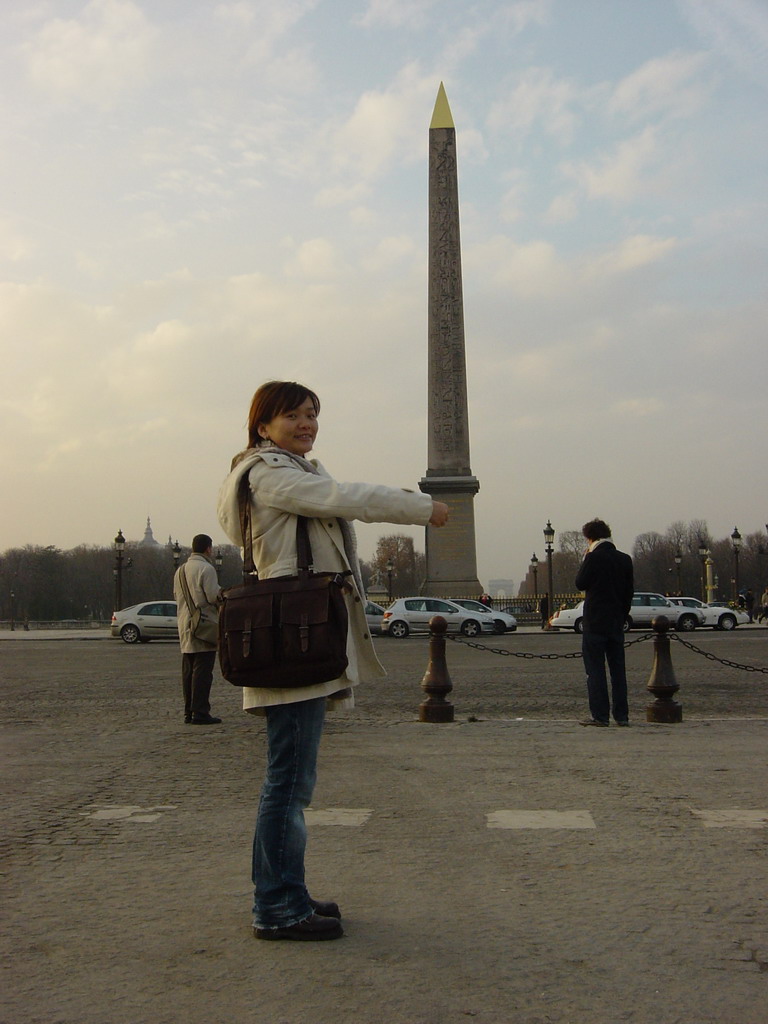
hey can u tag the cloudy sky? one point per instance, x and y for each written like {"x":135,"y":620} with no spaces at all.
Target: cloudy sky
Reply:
{"x":199,"y":196}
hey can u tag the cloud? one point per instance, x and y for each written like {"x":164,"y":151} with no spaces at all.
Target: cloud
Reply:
{"x":632,"y":253}
{"x":530,"y":270}
{"x":316,"y":259}
{"x":735,"y":29}
{"x":14,"y":246}
{"x":668,"y":85}
{"x":637,"y":408}
{"x":396,"y":13}
{"x":96,"y":58}
{"x":385,"y":126}
{"x":621,"y":175}
{"x":536,"y":98}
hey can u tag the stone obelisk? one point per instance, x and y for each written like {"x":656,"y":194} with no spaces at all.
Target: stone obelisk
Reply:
{"x":451,"y":557}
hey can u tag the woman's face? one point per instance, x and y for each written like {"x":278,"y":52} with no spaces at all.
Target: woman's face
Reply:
{"x":294,"y":431}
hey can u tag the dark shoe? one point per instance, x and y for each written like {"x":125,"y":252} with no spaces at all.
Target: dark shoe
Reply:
{"x":325,"y":908}
{"x":204,"y":720}
{"x":594,"y":721}
{"x":312,"y":929}
{"x":624,"y":725}
{"x":187,"y":719}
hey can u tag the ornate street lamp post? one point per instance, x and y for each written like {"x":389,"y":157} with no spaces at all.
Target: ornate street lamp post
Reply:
{"x":535,"y":568}
{"x":549,"y":536}
{"x":176,"y":549}
{"x":390,"y":570}
{"x":678,"y":563}
{"x":219,"y":560}
{"x":13,"y":610}
{"x":703,"y":553}
{"x":118,"y":570}
{"x":736,"y":541}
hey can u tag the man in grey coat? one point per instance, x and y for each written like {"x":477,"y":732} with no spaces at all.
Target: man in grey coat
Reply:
{"x":197,"y":656}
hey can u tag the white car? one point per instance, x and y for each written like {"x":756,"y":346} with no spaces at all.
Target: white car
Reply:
{"x":569,"y":618}
{"x":718,"y":617}
{"x":412,"y":614}
{"x":645,"y":608}
{"x":150,"y":620}
{"x":505,"y":623}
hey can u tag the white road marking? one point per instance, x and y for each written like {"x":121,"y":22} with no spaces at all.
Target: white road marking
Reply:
{"x":540,"y":819}
{"x":338,"y":816}
{"x":732,"y":818}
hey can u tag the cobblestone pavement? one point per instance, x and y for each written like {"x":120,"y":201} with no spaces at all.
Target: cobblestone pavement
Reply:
{"x":511,"y":868}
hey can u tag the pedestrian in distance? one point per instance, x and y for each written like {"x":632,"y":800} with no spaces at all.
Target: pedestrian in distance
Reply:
{"x":607,"y":578}
{"x":763,"y":606}
{"x":283,"y":484}
{"x":198,"y":657}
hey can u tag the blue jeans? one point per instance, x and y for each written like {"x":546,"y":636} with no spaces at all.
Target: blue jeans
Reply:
{"x":293,"y":737}
{"x":596,"y":649}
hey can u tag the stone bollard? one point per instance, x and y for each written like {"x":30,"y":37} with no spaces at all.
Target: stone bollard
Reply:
{"x":436,"y":682}
{"x":662,"y":683}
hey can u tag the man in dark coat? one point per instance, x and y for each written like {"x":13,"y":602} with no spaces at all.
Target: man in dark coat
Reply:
{"x":606,"y":576}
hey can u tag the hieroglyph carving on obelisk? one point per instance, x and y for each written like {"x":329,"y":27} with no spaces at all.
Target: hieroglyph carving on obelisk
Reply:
{"x":450,"y":551}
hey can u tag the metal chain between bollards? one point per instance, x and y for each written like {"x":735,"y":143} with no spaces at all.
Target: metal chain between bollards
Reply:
{"x":526,"y":654}
{"x":713,"y":657}
{"x":629,"y":643}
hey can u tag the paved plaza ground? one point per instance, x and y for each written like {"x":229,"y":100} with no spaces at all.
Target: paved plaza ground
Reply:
{"x":509,"y":868}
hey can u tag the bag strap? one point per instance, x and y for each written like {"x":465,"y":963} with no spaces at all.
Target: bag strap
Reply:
{"x":185,"y":588}
{"x":303,"y":546}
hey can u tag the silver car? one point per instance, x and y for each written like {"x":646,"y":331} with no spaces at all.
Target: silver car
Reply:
{"x":412,"y":614}
{"x":645,"y":608}
{"x":374,"y":616}
{"x":505,"y":623}
{"x":150,"y":620}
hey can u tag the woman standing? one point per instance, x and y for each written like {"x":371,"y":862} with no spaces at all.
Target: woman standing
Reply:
{"x":284,"y":483}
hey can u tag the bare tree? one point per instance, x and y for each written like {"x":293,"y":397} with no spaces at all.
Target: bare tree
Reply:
{"x":408,"y":565}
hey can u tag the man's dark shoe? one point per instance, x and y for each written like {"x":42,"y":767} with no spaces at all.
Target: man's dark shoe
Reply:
{"x":623,"y":724}
{"x":594,"y":721}
{"x":312,"y":929}
{"x":204,"y":720}
{"x":325,"y":908}
{"x":187,"y":719}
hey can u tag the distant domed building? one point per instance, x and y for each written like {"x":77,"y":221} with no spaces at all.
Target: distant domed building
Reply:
{"x":149,"y":540}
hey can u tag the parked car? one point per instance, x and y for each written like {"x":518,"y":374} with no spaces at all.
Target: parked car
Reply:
{"x":412,"y":614}
{"x":150,"y":620}
{"x":374,"y":616}
{"x":505,"y":623}
{"x":569,"y":618}
{"x":645,"y":608}
{"x":715,"y":615}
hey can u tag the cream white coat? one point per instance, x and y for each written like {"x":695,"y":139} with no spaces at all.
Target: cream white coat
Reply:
{"x":281,"y":490}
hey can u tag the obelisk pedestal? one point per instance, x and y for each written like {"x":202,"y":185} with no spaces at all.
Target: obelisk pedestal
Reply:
{"x":450,"y":551}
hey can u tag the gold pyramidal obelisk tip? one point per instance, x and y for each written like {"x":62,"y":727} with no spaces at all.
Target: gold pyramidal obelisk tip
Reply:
{"x":441,"y":115}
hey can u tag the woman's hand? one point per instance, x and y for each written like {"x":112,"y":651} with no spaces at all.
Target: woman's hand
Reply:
{"x":439,"y":515}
